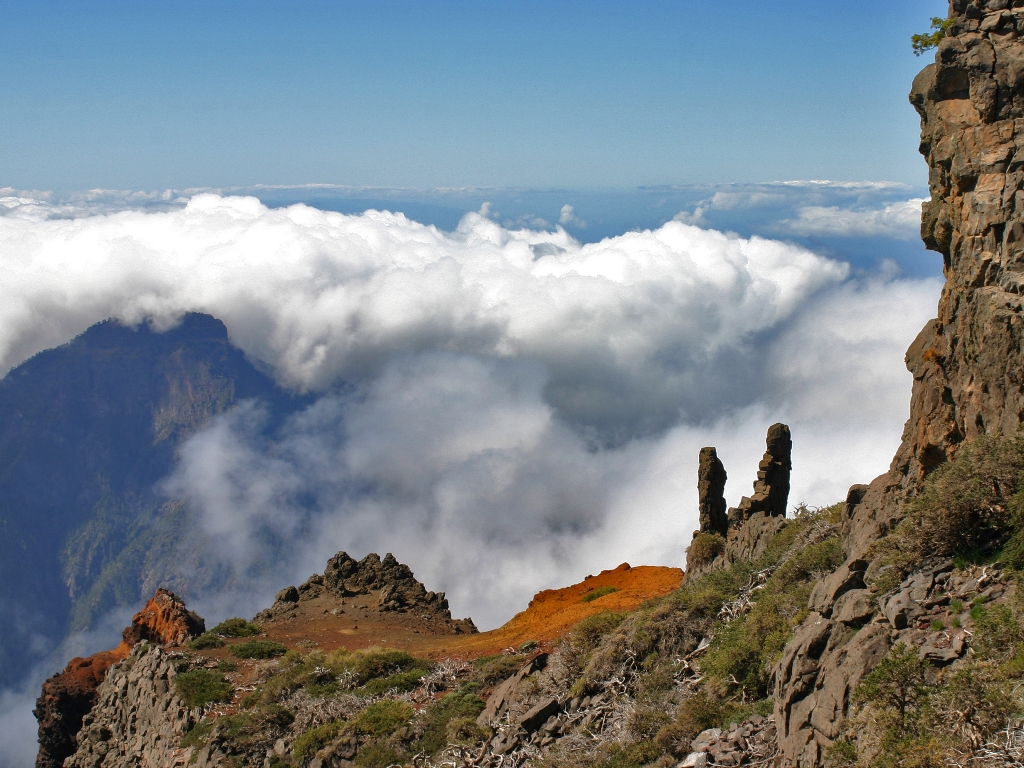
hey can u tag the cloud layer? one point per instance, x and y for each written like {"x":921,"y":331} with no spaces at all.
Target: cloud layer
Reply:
{"x":504,"y":409}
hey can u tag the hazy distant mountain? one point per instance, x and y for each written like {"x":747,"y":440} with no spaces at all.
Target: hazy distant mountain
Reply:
{"x":87,"y":431}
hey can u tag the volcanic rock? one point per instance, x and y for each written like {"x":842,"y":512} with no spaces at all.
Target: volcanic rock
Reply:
{"x":711,"y":477}
{"x":771,"y":489}
{"x":69,"y":696}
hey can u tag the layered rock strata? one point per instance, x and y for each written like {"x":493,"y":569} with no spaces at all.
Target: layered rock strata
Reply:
{"x":771,"y":489}
{"x":69,"y":696}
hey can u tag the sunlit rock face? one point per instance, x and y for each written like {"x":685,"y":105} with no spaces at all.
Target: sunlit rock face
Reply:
{"x":968,"y":363}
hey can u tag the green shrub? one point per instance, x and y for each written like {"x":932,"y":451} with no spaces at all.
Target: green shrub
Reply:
{"x":205,"y":641}
{"x":704,"y":548}
{"x":841,"y":753}
{"x":928,"y":40}
{"x":374,"y":663}
{"x":645,"y":723}
{"x":967,"y":508}
{"x":897,"y":684}
{"x":630,"y":755}
{"x":382,"y":718}
{"x":315,"y":739}
{"x":593,"y":628}
{"x":441,"y":714}
{"x":377,"y":755}
{"x":236,"y":627}
{"x":257,"y":649}
{"x":402,"y":682}
{"x":599,"y":592}
{"x":200,"y":686}
{"x":199,"y":735}
{"x":745,"y":649}
{"x":464,"y":730}
{"x":491,"y":670}
{"x":696,"y":714}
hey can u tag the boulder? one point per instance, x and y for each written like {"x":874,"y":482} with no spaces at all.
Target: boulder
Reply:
{"x":537,"y":715}
{"x":499,"y":699}
{"x":850,"y":575}
{"x":287,"y":595}
{"x":854,"y":607}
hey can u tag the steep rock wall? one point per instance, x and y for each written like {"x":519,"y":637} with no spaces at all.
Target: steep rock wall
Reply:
{"x":138,"y":719}
{"x":968,"y":363}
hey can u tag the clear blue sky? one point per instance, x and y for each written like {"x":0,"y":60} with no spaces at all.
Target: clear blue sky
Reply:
{"x":152,"y":95}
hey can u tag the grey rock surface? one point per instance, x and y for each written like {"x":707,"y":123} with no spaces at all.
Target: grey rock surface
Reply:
{"x":139,"y":719}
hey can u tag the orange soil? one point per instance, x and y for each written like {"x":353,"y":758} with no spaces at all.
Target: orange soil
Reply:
{"x":550,"y":615}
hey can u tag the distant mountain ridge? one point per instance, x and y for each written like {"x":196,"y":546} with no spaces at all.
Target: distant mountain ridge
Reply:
{"x":87,"y":431}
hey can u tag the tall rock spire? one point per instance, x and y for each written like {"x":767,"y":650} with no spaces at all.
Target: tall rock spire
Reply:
{"x":711,"y":477}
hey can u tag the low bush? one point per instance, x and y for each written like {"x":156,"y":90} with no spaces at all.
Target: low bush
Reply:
{"x":201,"y":686}
{"x":441,"y":714}
{"x":236,"y":627}
{"x":315,"y":739}
{"x":968,"y":508}
{"x":629,"y":755}
{"x":382,"y":718}
{"x":599,"y":592}
{"x":491,"y":670}
{"x":199,"y":735}
{"x":704,"y":548}
{"x":378,"y":755}
{"x":205,"y":641}
{"x":374,"y":663}
{"x":745,"y":649}
{"x":402,"y":682}
{"x":257,"y":649}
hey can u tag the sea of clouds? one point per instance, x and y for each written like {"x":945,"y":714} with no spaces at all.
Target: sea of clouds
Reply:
{"x":505,"y":409}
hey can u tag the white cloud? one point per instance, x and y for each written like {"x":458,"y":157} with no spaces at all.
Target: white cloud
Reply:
{"x":898,"y":220}
{"x":567,"y":218}
{"x":520,"y":409}
{"x":628,"y":327}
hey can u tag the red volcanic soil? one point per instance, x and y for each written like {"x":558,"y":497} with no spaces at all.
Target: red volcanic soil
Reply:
{"x":549,"y":616}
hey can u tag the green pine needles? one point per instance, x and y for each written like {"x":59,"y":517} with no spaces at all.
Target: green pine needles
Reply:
{"x":928,"y":40}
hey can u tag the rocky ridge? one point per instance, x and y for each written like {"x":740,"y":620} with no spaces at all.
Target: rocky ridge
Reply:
{"x":68,"y":697}
{"x":391,"y":585}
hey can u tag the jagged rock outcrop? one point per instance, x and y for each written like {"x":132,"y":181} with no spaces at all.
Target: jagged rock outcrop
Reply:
{"x":392,"y":583}
{"x":69,"y":696}
{"x":771,"y":489}
{"x":138,"y":718}
{"x":968,"y":363}
{"x":745,"y":530}
{"x":711,"y":477}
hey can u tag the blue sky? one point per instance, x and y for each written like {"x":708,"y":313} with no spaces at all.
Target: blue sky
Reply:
{"x":134,"y":95}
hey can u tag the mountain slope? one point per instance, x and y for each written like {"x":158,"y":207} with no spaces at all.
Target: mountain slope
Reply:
{"x":86,"y":432}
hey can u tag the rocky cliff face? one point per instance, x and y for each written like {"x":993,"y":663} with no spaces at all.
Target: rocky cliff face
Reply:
{"x":967,"y":364}
{"x":138,"y":718}
{"x":68,"y":697}
{"x":968,"y":380}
